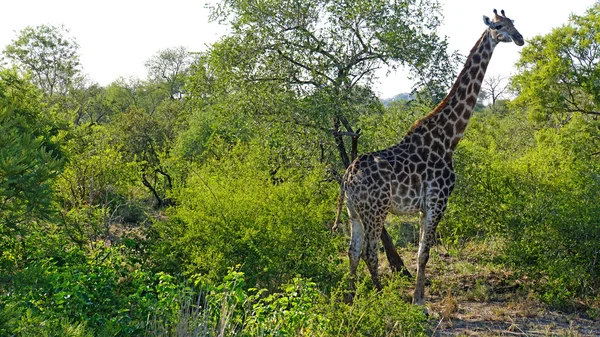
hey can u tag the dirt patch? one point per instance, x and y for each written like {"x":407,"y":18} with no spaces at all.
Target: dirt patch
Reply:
{"x":503,"y":319}
{"x":469,"y":296}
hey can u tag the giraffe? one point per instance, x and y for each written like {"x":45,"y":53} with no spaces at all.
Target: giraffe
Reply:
{"x":417,"y":174}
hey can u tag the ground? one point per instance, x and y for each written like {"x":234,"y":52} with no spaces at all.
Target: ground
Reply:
{"x":468,"y":295}
{"x":480,"y":319}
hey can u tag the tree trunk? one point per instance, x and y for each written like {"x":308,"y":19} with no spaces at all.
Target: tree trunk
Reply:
{"x":159,"y":200}
{"x":339,"y":141}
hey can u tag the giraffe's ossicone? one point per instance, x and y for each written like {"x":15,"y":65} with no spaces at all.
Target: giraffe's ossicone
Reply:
{"x":417,"y":175}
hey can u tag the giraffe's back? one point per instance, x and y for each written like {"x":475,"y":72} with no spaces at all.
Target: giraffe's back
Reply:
{"x":368,"y":181}
{"x":409,"y":173}
{"x":388,"y":179}
{"x":404,"y":171}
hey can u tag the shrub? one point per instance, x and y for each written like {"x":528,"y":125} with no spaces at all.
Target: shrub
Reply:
{"x":295,"y":309}
{"x":100,"y":293}
{"x":541,"y":201}
{"x":236,"y":211}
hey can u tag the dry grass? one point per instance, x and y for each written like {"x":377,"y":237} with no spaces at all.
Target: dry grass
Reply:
{"x":469,"y":295}
{"x":449,"y":306}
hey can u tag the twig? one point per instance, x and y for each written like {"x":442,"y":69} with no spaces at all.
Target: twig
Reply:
{"x":437,"y":326}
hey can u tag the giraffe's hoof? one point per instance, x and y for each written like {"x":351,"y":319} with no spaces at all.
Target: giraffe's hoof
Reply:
{"x":336,"y":229}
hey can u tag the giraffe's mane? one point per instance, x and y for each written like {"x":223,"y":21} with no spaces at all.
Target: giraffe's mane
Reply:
{"x":444,"y":102}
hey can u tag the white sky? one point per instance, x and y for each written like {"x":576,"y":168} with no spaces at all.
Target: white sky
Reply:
{"x":117,"y":37}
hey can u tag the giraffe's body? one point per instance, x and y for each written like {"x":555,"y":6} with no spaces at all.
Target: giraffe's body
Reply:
{"x":417,"y":175}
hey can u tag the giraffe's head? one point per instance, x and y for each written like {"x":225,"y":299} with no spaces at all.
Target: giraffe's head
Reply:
{"x":503,"y":29}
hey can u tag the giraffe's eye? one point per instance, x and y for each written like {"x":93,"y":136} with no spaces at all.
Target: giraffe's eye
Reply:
{"x":499,"y":27}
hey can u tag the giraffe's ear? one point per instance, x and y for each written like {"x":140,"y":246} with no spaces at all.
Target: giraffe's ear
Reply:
{"x":487,"y":21}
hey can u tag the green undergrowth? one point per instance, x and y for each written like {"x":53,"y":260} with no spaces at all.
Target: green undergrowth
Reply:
{"x":296,"y":309}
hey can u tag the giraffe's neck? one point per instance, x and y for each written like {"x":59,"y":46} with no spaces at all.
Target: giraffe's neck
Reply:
{"x":452,"y":115}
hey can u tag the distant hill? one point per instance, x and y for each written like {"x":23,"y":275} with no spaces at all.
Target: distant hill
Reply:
{"x":403,"y":96}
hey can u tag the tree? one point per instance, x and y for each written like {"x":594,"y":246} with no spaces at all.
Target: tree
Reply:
{"x":493,"y":89}
{"x":559,"y":73}
{"x":97,"y":185}
{"x":170,"y":65}
{"x":329,"y":49}
{"x":146,"y":123}
{"x":29,"y":158}
{"x":144,"y":94}
{"x":90,"y":105}
{"x":49,"y":54}
{"x":145,"y":140}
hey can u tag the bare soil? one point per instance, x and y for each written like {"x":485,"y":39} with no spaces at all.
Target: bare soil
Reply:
{"x":469,"y":296}
{"x":503,"y":319}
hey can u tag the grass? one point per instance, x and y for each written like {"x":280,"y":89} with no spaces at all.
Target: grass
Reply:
{"x":469,"y":293}
{"x":472,"y":293}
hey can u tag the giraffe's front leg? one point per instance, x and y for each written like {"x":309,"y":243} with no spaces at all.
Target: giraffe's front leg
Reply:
{"x":423,"y":257}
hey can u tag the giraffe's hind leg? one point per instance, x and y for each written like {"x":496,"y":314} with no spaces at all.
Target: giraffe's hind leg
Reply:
{"x":370,"y":255}
{"x":356,"y":243}
{"x":393,"y":257}
{"x":373,"y":225}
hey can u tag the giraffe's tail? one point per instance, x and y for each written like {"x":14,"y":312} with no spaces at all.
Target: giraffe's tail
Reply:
{"x":340,"y":204}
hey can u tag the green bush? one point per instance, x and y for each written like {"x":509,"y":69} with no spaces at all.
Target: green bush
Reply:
{"x":373,"y":313}
{"x":541,"y":201}
{"x":30,"y":158}
{"x":236,"y":211}
{"x":98,"y":293}
{"x":295,"y":309}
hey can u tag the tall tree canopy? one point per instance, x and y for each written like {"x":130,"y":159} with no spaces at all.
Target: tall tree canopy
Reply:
{"x":321,"y":43}
{"x":559,"y":73}
{"x":171,"y":66}
{"x":331,"y":49}
{"x":49,"y":54}
{"x":29,"y":158}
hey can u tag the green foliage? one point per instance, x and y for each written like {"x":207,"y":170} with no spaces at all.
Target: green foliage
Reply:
{"x":49,"y":55}
{"x":320,"y":43}
{"x":146,"y":138}
{"x":295,"y":309}
{"x":98,"y":186}
{"x":31,"y":325}
{"x":30,"y":159}
{"x":26,"y":169}
{"x":324,"y":54}
{"x":542,"y":200}
{"x":96,"y":168}
{"x":94,"y":104}
{"x":381,"y":130}
{"x":294,"y":127}
{"x":298,"y":309}
{"x":373,"y":313}
{"x":559,"y":71}
{"x":170,"y":66}
{"x":239,"y":211}
{"x":22,"y":105}
{"x":289,"y":312}
{"x":97,"y":294}
{"x":241,"y":170}
{"x":533,"y":182}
